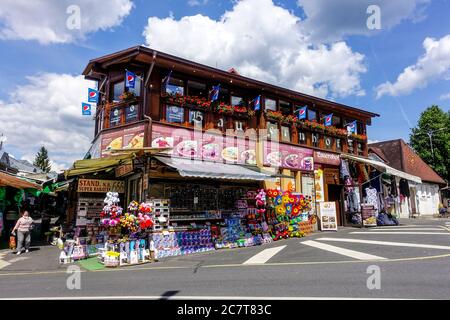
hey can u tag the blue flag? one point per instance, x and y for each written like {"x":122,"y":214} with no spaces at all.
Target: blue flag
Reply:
{"x":130,"y":79}
{"x":302,"y":112}
{"x":86,"y":109}
{"x":166,"y":79}
{"x":257,"y":103}
{"x":215,"y":93}
{"x":329,"y":120}
{"x":351,"y":127}
{"x":92,"y":95}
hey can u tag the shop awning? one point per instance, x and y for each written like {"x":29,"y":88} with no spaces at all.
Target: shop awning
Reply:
{"x":384,"y":168}
{"x":8,"y":180}
{"x":204,"y":169}
{"x":97,"y":165}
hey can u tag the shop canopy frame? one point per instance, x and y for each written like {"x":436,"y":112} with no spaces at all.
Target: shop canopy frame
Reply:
{"x":212,"y":170}
{"x":384,"y":168}
{"x":8,"y":180}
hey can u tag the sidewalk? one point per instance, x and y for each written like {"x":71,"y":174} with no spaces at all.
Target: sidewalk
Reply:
{"x":40,"y":258}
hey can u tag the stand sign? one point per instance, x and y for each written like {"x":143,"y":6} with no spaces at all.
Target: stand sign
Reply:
{"x":328,"y":219}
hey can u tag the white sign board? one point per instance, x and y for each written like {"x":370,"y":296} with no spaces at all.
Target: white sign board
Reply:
{"x":328,"y":219}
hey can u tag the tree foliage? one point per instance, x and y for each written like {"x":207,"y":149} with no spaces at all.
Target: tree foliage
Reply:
{"x":42,"y":161}
{"x":436,"y":122}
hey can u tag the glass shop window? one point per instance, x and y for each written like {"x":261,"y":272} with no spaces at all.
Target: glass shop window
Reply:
{"x":237,"y":101}
{"x":175,"y":87}
{"x":174,"y":114}
{"x":285,"y":134}
{"x":196,"y":118}
{"x":197,"y":89}
{"x":312,"y":115}
{"x":115,"y":117}
{"x":338,"y":145}
{"x":131,"y":113}
{"x":270,"y":104}
{"x":224,"y":95}
{"x":117,"y":90}
{"x":285,"y":108}
{"x":315,"y":139}
{"x":328,"y":142}
{"x":336,"y":121}
{"x":272,"y":130}
{"x":302,"y":137}
{"x":137,"y":86}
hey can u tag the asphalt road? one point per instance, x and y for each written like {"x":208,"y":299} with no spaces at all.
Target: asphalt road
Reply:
{"x":413,"y":262}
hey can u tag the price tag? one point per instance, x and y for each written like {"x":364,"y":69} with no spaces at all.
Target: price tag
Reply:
{"x":208,"y":223}
{"x":166,"y":233}
{"x":174,"y":224}
{"x":195,"y":200}
{"x":193,"y":224}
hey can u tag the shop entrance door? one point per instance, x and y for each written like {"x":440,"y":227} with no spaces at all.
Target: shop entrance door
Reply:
{"x":335,"y":195}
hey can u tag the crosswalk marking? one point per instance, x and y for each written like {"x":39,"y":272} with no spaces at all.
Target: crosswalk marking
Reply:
{"x":387,"y":243}
{"x":264,"y":255}
{"x":406,"y":229}
{"x":398,"y":232}
{"x":345,"y":252}
{"x":3,"y":263}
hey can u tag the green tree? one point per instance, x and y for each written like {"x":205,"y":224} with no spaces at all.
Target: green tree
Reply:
{"x":434,"y":123}
{"x":42,"y":161}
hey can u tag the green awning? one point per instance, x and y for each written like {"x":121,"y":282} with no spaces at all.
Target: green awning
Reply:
{"x":96,"y":165}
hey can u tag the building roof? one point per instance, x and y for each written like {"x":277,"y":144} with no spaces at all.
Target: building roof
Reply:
{"x":24,"y":166}
{"x":379,"y":153}
{"x":402,"y":157}
{"x":97,"y":68}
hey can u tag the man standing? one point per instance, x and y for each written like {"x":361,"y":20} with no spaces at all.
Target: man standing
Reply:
{"x":23,"y":226}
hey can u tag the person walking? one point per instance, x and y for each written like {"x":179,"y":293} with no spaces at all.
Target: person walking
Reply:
{"x":23,"y":227}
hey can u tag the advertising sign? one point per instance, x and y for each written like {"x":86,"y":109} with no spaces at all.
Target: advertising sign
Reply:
{"x":328,"y":219}
{"x":131,"y":113}
{"x":319,"y":185}
{"x":287,"y":157}
{"x":208,"y":146}
{"x":100,"y":186}
{"x":130,"y":138}
{"x":114,"y":118}
{"x":327,"y":158}
{"x":124,"y":169}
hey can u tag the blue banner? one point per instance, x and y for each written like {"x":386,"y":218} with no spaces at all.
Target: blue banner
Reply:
{"x":86,"y":109}
{"x":130,"y":79}
{"x":92,"y":95}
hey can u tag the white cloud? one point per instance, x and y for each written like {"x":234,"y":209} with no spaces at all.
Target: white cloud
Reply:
{"x":47,"y":111}
{"x":194,"y":3}
{"x":46,"y":21}
{"x":445,"y":96}
{"x":433,"y":65}
{"x":332,"y":20}
{"x":263,"y":41}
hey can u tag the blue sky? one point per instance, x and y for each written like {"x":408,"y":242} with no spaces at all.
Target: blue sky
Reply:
{"x":374,"y":58}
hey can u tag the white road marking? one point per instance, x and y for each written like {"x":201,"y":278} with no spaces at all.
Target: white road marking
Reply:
{"x":345,"y":252}
{"x":398,"y":232}
{"x":199,"y":298}
{"x":3,"y":263}
{"x":387,"y":243}
{"x":406,"y":229}
{"x":264,"y":255}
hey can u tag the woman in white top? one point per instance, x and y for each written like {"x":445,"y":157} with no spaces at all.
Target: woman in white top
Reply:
{"x":23,"y":226}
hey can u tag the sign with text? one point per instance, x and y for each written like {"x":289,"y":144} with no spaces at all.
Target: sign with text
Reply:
{"x":328,"y":218}
{"x":100,"y":186}
{"x":124,"y":169}
{"x":130,"y":137}
{"x":327,"y":158}
{"x":210,"y":145}
{"x":287,"y":156}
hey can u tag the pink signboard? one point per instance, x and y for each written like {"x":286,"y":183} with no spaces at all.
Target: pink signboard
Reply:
{"x":209,"y":146}
{"x":130,"y":137}
{"x":287,"y":156}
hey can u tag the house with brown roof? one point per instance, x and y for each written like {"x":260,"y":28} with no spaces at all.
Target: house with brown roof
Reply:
{"x":424,"y":197}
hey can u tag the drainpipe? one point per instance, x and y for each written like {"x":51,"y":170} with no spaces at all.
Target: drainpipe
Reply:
{"x":147,"y":79}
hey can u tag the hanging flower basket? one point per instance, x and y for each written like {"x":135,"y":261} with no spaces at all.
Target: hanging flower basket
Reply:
{"x":222,"y":108}
{"x":127,"y":96}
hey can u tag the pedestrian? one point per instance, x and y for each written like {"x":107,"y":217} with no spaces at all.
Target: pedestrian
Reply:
{"x":23,"y":226}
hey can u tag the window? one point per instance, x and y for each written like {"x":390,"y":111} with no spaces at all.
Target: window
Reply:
{"x":312,"y":115}
{"x":131,"y":113}
{"x":196,"y":118}
{"x":301,"y":137}
{"x":285,"y":108}
{"x":336,"y":121}
{"x":137,"y":86}
{"x":118,"y":89}
{"x":175,"y":87}
{"x":328,"y":141}
{"x":360,"y":128}
{"x":315,"y":139}
{"x":285,"y":134}
{"x":237,"y":101}
{"x":175,"y":114}
{"x":224,"y":95}
{"x":270,"y":104}
{"x":272,"y":130}
{"x":197,"y":89}
{"x":115,"y":117}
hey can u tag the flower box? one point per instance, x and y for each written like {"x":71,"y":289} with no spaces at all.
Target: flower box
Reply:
{"x":274,"y":115}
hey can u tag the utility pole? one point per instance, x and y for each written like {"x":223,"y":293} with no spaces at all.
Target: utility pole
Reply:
{"x":430,"y":135}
